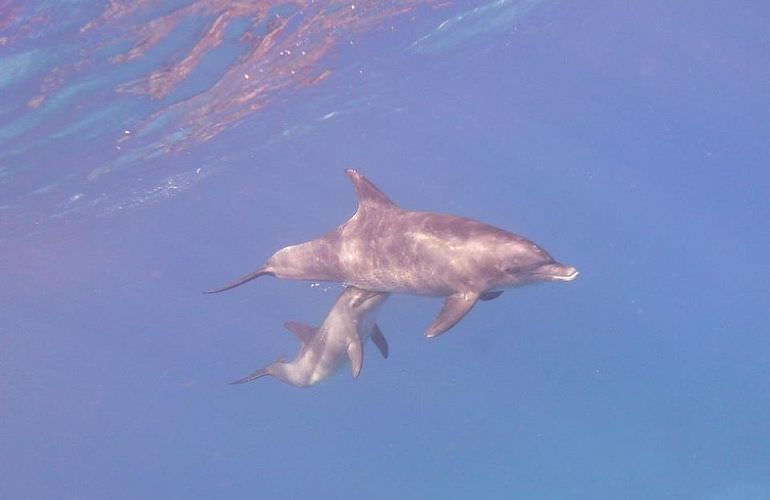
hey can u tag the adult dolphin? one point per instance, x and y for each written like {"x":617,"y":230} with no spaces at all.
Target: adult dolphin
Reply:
{"x":341,"y":336}
{"x":384,"y":248}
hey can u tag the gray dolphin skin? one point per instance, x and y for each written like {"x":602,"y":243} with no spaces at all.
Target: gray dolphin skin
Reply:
{"x":342,"y":335}
{"x":384,"y":248}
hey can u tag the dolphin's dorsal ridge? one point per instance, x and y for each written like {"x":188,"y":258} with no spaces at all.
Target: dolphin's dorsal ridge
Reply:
{"x":302,"y":331}
{"x":369,"y":195}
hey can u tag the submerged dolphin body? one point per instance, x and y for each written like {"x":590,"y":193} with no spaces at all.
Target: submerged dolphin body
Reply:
{"x":347,"y":327}
{"x":387,"y":249}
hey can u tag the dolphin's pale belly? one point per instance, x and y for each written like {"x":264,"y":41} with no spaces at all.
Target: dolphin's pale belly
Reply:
{"x":327,"y":367}
{"x":374,"y":269}
{"x":400,"y":280}
{"x":322,"y":358}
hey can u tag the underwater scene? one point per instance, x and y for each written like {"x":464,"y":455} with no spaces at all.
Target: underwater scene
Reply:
{"x":384,"y":249}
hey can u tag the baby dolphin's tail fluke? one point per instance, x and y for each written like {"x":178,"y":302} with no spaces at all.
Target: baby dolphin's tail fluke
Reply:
{"x":254,"y":376}
{"x":260,"y":373}
{"x":244,"y":279}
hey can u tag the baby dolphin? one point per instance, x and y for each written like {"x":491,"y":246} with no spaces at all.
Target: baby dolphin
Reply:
{"x":347,"y":327}
{"x":387,"y":249}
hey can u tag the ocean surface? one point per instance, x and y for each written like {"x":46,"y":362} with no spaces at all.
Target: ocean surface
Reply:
{"x":150,"y":150}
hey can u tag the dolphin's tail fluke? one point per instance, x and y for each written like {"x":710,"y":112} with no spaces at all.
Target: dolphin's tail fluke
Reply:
{"x":244,"y":279}
{"x":267,"y":370}
{"x":254,"y":376}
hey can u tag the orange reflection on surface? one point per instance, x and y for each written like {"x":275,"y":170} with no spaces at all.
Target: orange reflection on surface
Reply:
{"x":281,"y":52}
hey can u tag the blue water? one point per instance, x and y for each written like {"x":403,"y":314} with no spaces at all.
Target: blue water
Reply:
{"x":631,"y":140}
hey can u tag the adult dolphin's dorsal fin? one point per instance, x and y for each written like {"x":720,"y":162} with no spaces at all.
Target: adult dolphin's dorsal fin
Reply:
{"x":369,"y":195}
{"x":302,"y":331}
{"x":356,"y":355}
{"x":379,"y":340}
{"x":455,"y":307}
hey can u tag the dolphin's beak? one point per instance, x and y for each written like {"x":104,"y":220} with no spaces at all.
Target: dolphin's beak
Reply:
{"x":559,"y":272}
{"x":571,"y":275}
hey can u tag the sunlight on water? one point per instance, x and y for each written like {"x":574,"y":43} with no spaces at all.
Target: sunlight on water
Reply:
{"x":140,"y":81}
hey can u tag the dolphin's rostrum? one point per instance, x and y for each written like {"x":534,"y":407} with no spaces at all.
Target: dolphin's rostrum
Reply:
{"x":342,"y":335}
{"x":384,"y":248}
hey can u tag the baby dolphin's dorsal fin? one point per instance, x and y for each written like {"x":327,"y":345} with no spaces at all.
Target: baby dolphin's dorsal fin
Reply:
{"x":302,"y":331}
{"x":369,"y":195}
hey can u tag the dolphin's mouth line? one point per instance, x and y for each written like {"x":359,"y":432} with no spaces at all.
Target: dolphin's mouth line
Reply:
{"x":569,"y":277}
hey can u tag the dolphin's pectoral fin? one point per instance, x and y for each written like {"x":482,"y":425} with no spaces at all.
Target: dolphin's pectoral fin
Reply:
{"x":259,"y":373}
{"x":243,"y":279}
{"x":455,"y":307}
{"x":490,"y":295}
{"x":356,"y":355}
{"x":379,"y":340}
{"x":368,"y":194}
{"x":302,"y":331}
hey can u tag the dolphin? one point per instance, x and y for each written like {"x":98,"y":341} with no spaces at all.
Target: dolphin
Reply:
{"x":347,"y":327}
{"x":385,"y":248}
